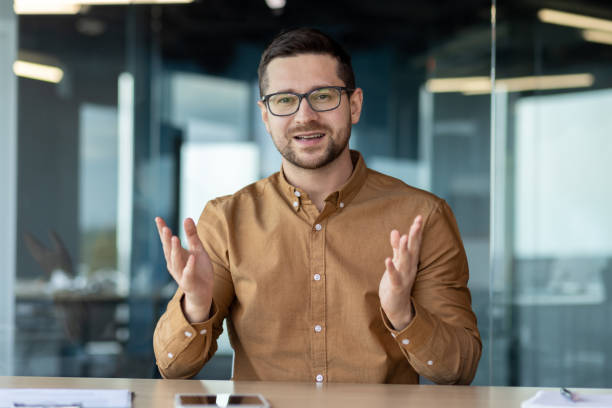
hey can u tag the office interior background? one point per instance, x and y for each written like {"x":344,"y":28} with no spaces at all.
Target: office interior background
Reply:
{"x":503,"y":108}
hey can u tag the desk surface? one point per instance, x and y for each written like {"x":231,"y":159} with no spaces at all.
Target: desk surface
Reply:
{"x":160,"y":393}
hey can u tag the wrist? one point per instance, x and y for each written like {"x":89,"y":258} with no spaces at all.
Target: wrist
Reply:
{"x":400,"y":321}
{"x":195,"y":312}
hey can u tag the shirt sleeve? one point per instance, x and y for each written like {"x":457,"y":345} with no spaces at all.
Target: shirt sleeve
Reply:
{"x":442,"y":342}
{"x":182,"y":348}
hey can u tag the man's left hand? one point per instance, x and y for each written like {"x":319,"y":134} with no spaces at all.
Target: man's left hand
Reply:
{"x":395,"y":287}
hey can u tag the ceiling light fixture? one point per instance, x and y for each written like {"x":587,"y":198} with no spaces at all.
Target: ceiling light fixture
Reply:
{"x":601,"y":37}
{"x":45,"y":7}
{"x":482,"y":85}
{"x":127,"y":2}
{"x":574,"y":20}
{"x":39,"y":72}
{"x":276,"y":4}
{"x":461,"y":84}
{"x":74,"y":6}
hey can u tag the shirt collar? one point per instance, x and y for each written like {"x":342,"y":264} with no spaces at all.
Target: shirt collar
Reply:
{"x":341,"y":197}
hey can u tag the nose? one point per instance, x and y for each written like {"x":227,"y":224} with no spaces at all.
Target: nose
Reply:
{"x":305,"y":113}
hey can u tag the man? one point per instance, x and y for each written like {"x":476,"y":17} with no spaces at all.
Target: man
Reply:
{"x":326,"y":270}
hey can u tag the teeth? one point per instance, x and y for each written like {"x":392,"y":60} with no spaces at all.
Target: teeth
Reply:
{"x":311,"y":136}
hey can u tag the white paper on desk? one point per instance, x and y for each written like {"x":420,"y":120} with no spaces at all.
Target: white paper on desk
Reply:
{"x":554,"y":399}
{"x":55,"y":396}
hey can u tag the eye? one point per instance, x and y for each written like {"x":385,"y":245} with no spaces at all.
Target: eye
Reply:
{"x":283,"y":100}
{"x":321,"y":94}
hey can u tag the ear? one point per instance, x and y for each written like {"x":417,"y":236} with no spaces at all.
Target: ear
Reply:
{"x":264,"y":114}
{"x":356,"y":102}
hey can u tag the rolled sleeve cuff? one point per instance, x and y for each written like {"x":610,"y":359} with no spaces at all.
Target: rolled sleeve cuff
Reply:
{"x":417,"y":335}
{"x":180,"y":340}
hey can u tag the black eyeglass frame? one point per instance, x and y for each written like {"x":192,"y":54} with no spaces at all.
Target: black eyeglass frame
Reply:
{"x":266,"y":99}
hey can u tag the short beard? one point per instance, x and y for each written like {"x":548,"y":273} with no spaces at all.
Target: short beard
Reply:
{"x":332,"y":152}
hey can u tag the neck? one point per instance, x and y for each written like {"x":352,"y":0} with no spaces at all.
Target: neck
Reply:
{"x":321,"y":182}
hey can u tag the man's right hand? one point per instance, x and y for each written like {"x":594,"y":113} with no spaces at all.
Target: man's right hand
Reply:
{"x":191,"y":269}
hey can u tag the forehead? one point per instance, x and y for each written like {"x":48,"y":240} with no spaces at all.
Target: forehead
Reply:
{"x":302,"y":72}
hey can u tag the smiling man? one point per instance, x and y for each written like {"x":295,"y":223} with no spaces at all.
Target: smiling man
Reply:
{"x":326,"y":271}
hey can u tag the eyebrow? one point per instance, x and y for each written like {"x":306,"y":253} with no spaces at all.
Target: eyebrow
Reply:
{"x":291,"y":90}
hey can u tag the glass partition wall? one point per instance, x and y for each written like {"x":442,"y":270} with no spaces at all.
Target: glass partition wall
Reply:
{"x":155,"y":101}
{"x":553,"y":255}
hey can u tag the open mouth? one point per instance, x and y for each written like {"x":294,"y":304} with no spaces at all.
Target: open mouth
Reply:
{"x":309,"y":137}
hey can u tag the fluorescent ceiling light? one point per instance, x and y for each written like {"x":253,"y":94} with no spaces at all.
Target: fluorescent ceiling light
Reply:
{"x":464,"y":84}
{"x":39,"y":72}
{"x":74,"y":6}
{"x":574,"y":20}
{"x":545,"y":82}
{"x":125,"y":2}
{"x":45,"y":7}
{"x":597,"y":36}
{"x":482,"y":85}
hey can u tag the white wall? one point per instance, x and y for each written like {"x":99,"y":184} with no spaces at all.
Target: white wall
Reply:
{"x":8,"y":182}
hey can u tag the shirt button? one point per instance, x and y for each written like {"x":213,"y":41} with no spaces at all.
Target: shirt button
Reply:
{"x":318,"y":227}
{"x":406,"y":342}
{"x":341,"y":205}
{"x":317,"y":277}
{"x":295,"y":204}
{"x":203,"y":331}
{"x":170,"y":355}
{"x":318,"y":328}
{"x":319,"y":378}
{"x":188,"y":334}
{"x":430,"y":362}
{"x":297,"y":193}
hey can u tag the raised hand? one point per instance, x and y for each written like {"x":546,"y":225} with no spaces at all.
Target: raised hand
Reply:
{"x":396,"y":284}
{"x":191,"y":269}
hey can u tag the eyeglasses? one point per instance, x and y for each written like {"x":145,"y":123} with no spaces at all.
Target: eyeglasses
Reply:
{"x":320,"y":100}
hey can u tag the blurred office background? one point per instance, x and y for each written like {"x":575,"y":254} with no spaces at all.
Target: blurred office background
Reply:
{"x":111,"y":114}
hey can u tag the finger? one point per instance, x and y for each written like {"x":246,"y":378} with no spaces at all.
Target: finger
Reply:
{"x":160,"y":224}
{"x":394,"y":276}
{"x":403,"y":260}
{"x":165,"y":237}
{"x":415,"y":236}
{"x":176,"y":261}
{"x":394,"y":239}
{"x":192,"y":235}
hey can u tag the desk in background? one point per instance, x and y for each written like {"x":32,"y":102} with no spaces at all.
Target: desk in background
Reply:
{"x":160,"y":393}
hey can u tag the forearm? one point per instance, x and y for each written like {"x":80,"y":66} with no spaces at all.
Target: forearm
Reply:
{"x":440,"y":351}
{"x":182,"y":348}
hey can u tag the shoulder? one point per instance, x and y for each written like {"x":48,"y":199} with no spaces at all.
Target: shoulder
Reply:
{"x":246,"y":195}
{"x":384,"y":186}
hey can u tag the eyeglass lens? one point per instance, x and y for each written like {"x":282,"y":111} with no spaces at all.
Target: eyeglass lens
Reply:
{"x":321,"y":99}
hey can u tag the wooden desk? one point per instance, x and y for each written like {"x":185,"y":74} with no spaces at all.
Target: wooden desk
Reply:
{"x":160,"y":393}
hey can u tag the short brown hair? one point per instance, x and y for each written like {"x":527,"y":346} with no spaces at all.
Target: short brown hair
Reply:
{"x":305,"y":41}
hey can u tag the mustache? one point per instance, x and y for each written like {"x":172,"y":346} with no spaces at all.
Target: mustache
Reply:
{"x":309,"y":127}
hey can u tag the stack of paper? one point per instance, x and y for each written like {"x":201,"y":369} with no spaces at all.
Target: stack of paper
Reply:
{"x":52,"y":397}
{"x":554,"y":399}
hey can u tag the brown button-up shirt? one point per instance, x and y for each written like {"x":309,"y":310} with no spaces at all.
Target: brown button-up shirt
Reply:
{"x":299,"y":287}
